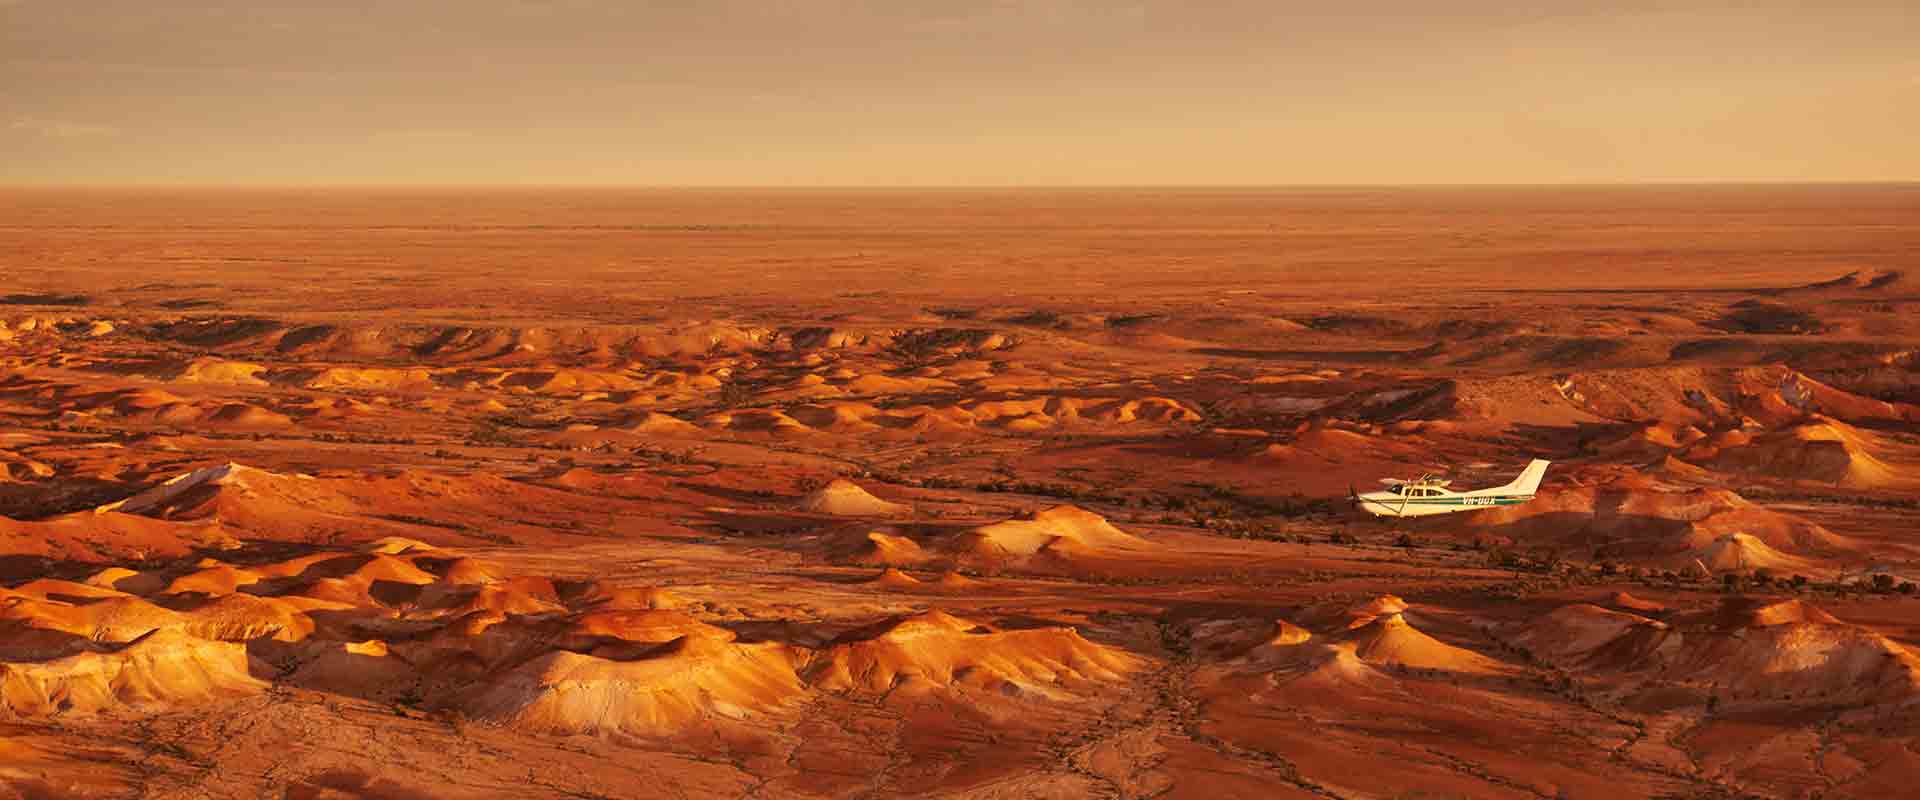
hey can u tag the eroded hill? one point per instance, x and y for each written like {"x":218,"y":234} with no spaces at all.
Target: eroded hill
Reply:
{"x":1031,"y":524}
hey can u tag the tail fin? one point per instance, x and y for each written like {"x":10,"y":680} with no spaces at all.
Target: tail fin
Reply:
{"x":1529,"y":480}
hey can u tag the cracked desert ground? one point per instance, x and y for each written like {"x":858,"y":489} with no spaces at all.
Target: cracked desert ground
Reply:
{"x":1035,"y":494}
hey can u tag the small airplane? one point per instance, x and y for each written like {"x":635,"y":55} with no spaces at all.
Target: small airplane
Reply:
{"x":1428,"y":495}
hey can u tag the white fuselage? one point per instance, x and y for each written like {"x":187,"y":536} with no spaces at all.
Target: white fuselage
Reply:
{"x":1426,"y":501}
{"x":1426,"y":497}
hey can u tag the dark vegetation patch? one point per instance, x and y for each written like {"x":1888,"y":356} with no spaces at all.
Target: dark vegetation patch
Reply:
{"x":1038,"y":319}
{"x":1757,"y":316}
{"x":206,"y":332}
{"x":301,"y":337}
{"x":1473,"y":329}
{"x":1358,"y":325}
{"x":181,"y":305}
{"x":1132,"y":320}
{"x":45,"y":299}
{"x":918,"y":346}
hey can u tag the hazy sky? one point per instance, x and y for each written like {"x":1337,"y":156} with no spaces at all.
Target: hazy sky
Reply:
{"x":956,"y":92}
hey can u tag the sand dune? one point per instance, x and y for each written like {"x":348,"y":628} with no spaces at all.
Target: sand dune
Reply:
{"x":516,"y":650}
{"x":376,"y":526}
{"x":222,"y":371}
{"x":1031,"y":415}
{"x":893,"y":578}
{"x":1872,"y":280}
{"x":669,"y":689}
{"x":877,"y":548}
{"x":1754,"y":652}
{"x":1077,"y":528}
{"x":844,"y":498}
{"x":1739,"y":552}
{"x":1636,"y":521}
{"x":1390,"y":641}
{"x":936,"y":649}
{"x":13,"y":468}
{"x":163,"y":669}
{"x":1825,"y":450}
{"x":189,"y":495}
{"x":1359,"y":644}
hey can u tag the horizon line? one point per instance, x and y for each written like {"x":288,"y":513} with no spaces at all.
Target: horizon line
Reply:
{"x":991,"y":187}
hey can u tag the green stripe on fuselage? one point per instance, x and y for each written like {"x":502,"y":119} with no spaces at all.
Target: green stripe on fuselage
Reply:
{"x":1454,"y":501}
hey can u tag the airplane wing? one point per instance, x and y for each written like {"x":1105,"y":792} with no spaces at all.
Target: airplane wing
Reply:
{"x":1422,"y":482}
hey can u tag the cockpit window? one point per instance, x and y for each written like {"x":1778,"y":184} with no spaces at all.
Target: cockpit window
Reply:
{"x":1396,"y":489}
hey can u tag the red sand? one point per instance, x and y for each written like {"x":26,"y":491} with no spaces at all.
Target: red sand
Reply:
{"x":1018,"y":494}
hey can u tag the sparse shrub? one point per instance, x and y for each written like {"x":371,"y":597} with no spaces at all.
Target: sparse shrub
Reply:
{"x":1405,"y":540}
{"x":733,"y":394}
{"x":1882,"y":582}
{"x":1906,"y":587}
{"x":1499,"y":557}
{"x":454,"y":720}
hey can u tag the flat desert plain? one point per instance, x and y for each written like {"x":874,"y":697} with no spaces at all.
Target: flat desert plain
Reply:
{"x":1019,"y":494}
